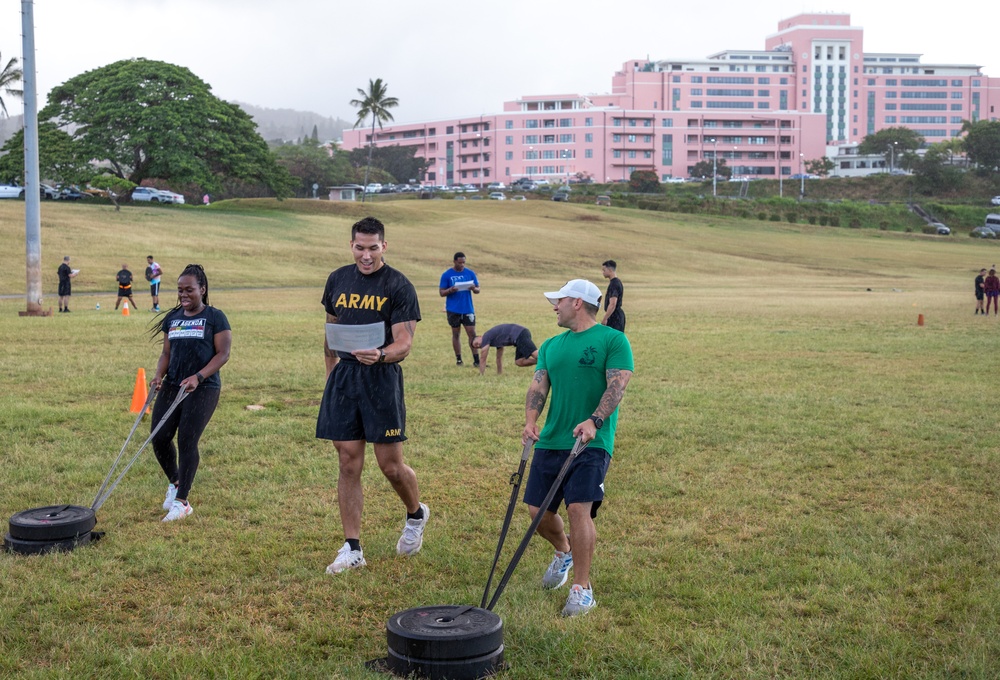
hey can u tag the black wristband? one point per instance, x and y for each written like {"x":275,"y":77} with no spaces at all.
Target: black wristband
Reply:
{"x":200,"y":377}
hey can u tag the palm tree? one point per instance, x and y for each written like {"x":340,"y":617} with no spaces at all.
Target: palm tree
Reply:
{"x":8,"y":76}
{"x":374,"y":103}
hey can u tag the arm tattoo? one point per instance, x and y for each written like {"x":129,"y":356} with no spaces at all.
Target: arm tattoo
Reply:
{"x":537,"y":392}
{"x":411,"y":327}
{"x":617,"y":382}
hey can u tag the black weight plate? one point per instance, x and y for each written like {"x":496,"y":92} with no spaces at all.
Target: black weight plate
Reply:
{"x":459,"y":669}
{"x":38,"y":547}
{"x":52,"y":523}
{"x":444,"y":632}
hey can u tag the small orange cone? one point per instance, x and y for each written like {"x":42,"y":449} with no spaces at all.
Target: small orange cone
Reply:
{"x":920,"y":319}
{"x":139,"y":394}
{"x":125,"y":313}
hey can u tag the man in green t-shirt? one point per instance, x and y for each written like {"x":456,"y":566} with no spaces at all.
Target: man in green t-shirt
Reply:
{"x":587,"y":369}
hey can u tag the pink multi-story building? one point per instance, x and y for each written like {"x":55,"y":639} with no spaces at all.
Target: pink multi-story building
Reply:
{"x":811,"y":90}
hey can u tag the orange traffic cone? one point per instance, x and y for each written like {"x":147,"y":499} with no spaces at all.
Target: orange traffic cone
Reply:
{"x":125,"y":313}
{"x":920,"y":319}
{"x":139,"y":394}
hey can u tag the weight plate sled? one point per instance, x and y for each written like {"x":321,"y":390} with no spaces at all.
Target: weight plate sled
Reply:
{"x":457,"y":669}
{"x":444,"y":632}
{"x":39,"y":547}
{"x":52,"y":523}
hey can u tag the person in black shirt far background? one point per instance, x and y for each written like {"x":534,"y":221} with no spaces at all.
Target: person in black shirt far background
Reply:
{"x":614,"y":315}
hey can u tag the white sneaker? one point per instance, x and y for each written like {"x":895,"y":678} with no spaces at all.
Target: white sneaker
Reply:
{"x":347,"y":559}
{"x":178,"y":510}
{"x":580,"y":601}
{"x":558,"y":570}
{"x":413,"y":534}
{"x":171,"y":495}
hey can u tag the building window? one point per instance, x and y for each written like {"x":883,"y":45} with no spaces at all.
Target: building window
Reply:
{"x":668,"y":122}
{"x":695,"y":79}
{"x":696,"y":92}
{"x":508,"y":155}
{"x":588,"y":122}
{"x":890,"y":120}
{"x":588,"y":137}
{"x":509,"y":140}
{"x":565,"y":122}
{"x":588,"y":153}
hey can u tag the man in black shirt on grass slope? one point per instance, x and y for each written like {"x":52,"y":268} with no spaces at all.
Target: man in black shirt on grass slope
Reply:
{"x":363,"y":400}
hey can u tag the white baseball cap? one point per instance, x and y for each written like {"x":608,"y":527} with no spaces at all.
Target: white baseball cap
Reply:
{"x":577,"y":288}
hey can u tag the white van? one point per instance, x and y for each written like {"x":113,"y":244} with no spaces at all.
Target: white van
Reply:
{"x":993,"y":221}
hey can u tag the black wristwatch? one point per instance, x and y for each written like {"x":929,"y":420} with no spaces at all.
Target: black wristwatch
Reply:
{"x":381,"y":356}
{"x":598,"y":422}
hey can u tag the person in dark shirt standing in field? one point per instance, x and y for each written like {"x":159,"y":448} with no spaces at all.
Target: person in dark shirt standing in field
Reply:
{"x":65,"y":285}
{"x":980,"y":291}
{"x":124,"y":278}
{"x":363,"y":399}
{"x":614,"y":315}
{"x":992,"y":287}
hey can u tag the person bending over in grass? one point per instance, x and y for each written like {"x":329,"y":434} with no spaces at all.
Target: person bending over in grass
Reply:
{"x":505,"y":335}
{"x":992,"y":287}
{"x":196,"y":342}
{"x":587,"y":368}
{"x":363,"y":399}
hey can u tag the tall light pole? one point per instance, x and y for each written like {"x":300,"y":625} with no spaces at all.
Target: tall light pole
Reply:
{"x":715,"y":159}
{"x":802,"y":177}
{"x":479,"y":148}
{"x":531,"y":153}
{"x":892,"y":157}
{"x":565,"y":160}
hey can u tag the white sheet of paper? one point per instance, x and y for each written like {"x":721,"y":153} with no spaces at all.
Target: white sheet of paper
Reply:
{"x":75,"y":271}
{"x":465,"y":285}
{"x":343,"y":338}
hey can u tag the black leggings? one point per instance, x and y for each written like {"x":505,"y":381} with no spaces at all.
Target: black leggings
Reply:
{"x":187,"y":421}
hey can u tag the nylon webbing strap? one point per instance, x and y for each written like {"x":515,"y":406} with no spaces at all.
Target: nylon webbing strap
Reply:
{"x":577,"y":447}
{"x":135,"y":425}
{"x":515,"y":480}
{"x":99,"y":501}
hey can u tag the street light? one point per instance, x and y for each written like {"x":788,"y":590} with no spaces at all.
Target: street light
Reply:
{"x":892,"y":157}
{"x":531,"y":154}
{"x":565,"y":157}
{"x":715,"y":158}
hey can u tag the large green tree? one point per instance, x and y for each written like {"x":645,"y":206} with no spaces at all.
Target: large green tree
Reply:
{"x":376,"y":103}
{"x":399,"y":161}
{"x":153,"y":119}
{"x":60,"y":158}
{"x":309,"y":164}
{"x":895,"y":144}
{"x":982,"y":144}
{"x":9,"y":75}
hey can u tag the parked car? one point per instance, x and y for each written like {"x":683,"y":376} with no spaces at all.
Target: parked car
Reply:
{"x":148,"y":194}
{"x":995,"y":200}
{"x":47,"y":191}
{"x":497,"y":196}
{"x":496,"y":186}
{"x":983,"y":232}
{"x":604,"y":200}
{"x":373,"y":188}
{"x":561,"y":196}
{"x":940,"y":229}
{"x":72,"y":194}
{"x":173,"y":196}
{"x":519,"y":197}
{"x":11,"y":191}
{"x":674,"y":180}
{"x":541,"y":181}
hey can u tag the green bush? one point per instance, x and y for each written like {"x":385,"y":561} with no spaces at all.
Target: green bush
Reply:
{"x":791,"y":217}
{"x":812,"y":219}
{"x":775,"y":217}
{"x":823,"y":220}
{"x":883,"y":225}
{"x":762,"y":216}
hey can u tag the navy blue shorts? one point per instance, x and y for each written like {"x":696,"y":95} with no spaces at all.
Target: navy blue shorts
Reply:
{"x":523,"y":346}
{"x":154,"y":289}
{"x":363,"y":403}
{"x":583,"y":483}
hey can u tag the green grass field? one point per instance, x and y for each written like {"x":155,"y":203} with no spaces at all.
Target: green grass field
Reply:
{"x":804,"y":483}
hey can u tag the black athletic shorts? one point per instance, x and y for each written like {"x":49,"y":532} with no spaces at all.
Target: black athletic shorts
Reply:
{"x":456,"y":320}
{"x":363,"y":403}
{"x":64,"y":288}
{"x":124,"y":292}
{"x":617,"y":321}
{"x":523,"y":346}
{"x":154,"y":289}
{"x":584,"y":481}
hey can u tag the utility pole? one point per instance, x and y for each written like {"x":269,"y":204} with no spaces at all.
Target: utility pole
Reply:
{"x":32,"y":185}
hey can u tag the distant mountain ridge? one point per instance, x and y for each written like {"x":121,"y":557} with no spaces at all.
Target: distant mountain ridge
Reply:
{"x":290,"y":125}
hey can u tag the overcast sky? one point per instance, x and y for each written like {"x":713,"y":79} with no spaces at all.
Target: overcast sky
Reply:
{"x":445,"y":58}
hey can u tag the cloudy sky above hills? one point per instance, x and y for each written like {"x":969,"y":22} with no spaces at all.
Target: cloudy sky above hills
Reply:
{"x":441,"y":59}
